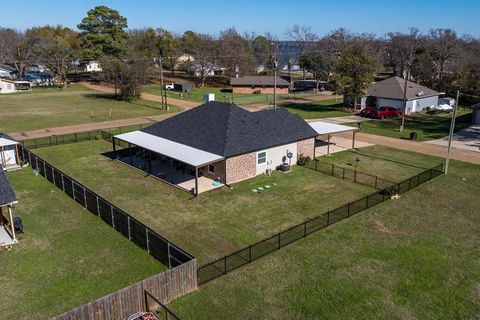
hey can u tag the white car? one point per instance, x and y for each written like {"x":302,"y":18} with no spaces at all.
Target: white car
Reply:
{"x":444,"y":108}
{"x":169,"y":86}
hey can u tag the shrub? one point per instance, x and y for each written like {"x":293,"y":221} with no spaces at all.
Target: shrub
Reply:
{"x":303,"y":160}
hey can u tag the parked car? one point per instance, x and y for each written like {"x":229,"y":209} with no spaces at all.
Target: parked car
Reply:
{"x":170,"y":86}
{"x":381,"y":112}
{"x":367,"y":112}
{"x":444,"y":108}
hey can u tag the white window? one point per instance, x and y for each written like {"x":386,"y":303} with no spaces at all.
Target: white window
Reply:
{"x":261,"y":157}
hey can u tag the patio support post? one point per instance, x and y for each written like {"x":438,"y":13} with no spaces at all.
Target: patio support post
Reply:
{"x":17,"y":157}
{"x":149,"y":161}
{"x":196,"y":181}
{"x":328,"y":144}
{"x":114,"y":148}
{"x":11,"y":222}
{"x":131,"y":155}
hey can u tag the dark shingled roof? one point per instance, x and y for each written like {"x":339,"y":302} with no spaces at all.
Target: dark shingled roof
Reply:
{"x":392,"y":88}
{"x":7,"y":196}
{"x":227,"y":130}
{"x":257,"y":81}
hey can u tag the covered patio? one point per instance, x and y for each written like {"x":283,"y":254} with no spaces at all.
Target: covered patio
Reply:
{"x":325,"y":145}
{"x":177,"y":164}
{"x":7,"y":200}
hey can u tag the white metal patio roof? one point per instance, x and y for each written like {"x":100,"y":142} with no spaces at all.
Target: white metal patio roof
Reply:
{"x":7,"y":142}
{"x":172,"y":149}
{"x":329,"y":128}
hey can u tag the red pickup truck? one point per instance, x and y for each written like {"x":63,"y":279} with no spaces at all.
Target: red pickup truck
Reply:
{"x":381,"y":112}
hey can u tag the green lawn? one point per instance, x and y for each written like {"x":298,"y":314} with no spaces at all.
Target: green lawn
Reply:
{"x":67,"y":256}
{"x":51,"y":107}
{"x":319,"y":109}
{"x":413,"y":258}
{"x":428,"y":127}
{"x":223,"y":95}
{"x":217,"y":222}
{"x":385,"y":162}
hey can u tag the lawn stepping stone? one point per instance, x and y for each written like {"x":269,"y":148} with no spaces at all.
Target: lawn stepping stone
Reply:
{"x":254,"y":190}
{"x":260,"y":189}
{"x":267,"y":187}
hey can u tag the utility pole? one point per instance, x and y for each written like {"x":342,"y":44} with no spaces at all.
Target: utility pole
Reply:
{"x":450,"y":136}
{"x":275,"y":65}
{"x":161,"y":81}
{"x":405,"y":86}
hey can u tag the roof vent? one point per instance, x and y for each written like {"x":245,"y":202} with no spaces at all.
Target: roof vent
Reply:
{"x":209,"y":97}
{"x":420,"y":93}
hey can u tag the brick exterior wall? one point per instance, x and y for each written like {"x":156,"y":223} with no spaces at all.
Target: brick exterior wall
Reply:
{"x":241,"y":167}
{"x":306,"y":147}
{"x":268,"y":90}
{"x":219,"y":171}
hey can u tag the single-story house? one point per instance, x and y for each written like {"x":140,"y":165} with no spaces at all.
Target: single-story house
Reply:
{"x":93,"y":66}
{"x":9,"y":159}
{"x":7,"y":200}
{"x":217,"y":144}
{"x":259,"y":84}
{"x":35,"y":67}
{"x":11,"y":86}
{"x":390,"y":93}
{"x":7,"y":71}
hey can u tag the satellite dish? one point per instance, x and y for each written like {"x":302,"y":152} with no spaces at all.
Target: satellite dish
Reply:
{"x":289,"y":155}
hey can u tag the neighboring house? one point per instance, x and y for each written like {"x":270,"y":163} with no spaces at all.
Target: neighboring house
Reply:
{"x":9,"y":159}
{"x":390,"y":93}
{"x":11,"y":86}
{"x":291,"y":67}
{"x":196,"y":70}
{"x":7,"y":71}
{"x":183,"y":59}
{"x":93,"y":66}
{"x":7,"y":200}
{"x":220,"y":143}
{"x":259,"y":84}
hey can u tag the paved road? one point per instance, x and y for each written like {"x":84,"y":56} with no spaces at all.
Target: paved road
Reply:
{"x":466,"y":139}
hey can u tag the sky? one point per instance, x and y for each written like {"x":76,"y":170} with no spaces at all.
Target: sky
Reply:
{"x":274,"y":16}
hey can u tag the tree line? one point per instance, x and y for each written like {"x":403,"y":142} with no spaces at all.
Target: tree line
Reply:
{"x":439,"y":59}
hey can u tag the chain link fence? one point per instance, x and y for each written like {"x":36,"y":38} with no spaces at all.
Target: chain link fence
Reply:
{"x":162,"y":249}
{"x":246,"y":255}
{"x":350,"y":175}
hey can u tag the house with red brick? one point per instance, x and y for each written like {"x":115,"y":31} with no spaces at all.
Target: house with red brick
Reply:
{"x":217,"y":144}
{"x":259,"y":84}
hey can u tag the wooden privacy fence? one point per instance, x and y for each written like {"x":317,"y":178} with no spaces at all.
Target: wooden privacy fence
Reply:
{"x":163,"y":287}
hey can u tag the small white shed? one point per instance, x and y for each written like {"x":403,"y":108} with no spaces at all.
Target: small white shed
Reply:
{"x":93,"y":66}
{"x":9,"y":159}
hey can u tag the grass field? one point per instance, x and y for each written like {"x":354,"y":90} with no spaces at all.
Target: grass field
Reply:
{"x":428,"y":127}
{"x":47,"y":108}
{"x":216,"y":222}
{"x":223,"y":95}
{"x":320,"y":109}
{"x":67,"y":256}
{"x":385,"y":162}
{"x":413,"y":258}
